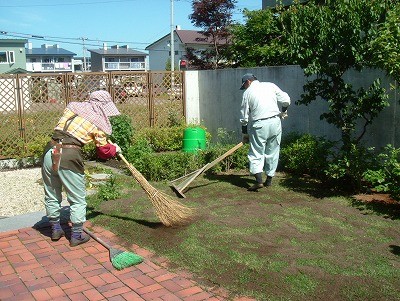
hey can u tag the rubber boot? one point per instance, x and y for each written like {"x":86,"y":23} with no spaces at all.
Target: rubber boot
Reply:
{"x":78,"y":237}
{"x":268,"y":181}
{"x":56,"y":231}
{"x":259,"y":183}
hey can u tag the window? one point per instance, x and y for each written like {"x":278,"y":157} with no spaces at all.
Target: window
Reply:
{"x":11,"y":57}
{"x":7,"y":57}
{"x":3,"y":57}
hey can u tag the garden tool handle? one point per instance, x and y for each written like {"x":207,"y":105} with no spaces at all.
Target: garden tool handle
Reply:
{"x":226,"y":154}
{"x":99,"y":240}
{"x":121,"y":156}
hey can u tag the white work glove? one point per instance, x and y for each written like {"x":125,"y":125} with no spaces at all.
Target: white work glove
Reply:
{"x":117,"y":148}
{"x":283,"y":115}
{"x":245,"y":138}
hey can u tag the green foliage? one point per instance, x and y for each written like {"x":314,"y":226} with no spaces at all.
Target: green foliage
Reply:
{"x":109,"y":190}
{"x":89,"y":151}
{"x":140,"y":148}
{"x":168,"y":166}
{"x":122,"y":131}
{"x":386,"y":177}
{"x":35,"y":147}
{"x":163,"y":139}
{"x":328,"y":40}
{"x":259,"y":41}
{"x":238,"y":160}
{"x":305,"y":154}
{"x":385,"y":46}
{"x":348,"y":166}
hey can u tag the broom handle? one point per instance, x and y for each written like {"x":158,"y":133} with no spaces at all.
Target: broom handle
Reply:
{"x":121,"y":156}
{"x":220,"y":158}
{"x":99,"y":240}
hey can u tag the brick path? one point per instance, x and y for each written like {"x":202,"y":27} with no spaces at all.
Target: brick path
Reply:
{"x":32,"y":267}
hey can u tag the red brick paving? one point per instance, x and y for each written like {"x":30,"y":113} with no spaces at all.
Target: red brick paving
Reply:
{"x":32,"y":267}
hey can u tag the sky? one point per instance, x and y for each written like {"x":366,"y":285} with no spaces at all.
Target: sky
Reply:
{"x":78,"y":24}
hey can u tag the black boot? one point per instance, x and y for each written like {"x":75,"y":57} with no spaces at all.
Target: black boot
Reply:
{"x":268,"y":181}
{"x":78,"y":237}
{"x":56,"y":231}
{"x":259,"y":183}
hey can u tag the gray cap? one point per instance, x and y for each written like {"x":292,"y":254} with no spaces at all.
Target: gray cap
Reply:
{"x":246,"y":77}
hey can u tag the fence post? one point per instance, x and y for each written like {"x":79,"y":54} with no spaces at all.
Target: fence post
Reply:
{"x":151,"y":99}
{"x":20,"y":106}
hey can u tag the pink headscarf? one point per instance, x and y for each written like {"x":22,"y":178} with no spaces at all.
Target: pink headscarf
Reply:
{"x":96,"y":110}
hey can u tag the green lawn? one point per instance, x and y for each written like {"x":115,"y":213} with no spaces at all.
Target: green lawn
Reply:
{"x":292,"y":241}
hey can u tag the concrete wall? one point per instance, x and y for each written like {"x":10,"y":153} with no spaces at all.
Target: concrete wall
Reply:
{"x":213,"y":98}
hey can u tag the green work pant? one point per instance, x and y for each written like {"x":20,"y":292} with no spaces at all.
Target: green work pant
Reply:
{"x":74,"y":185}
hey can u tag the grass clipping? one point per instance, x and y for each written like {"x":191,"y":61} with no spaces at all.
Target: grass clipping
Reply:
{"x":169,"y":211}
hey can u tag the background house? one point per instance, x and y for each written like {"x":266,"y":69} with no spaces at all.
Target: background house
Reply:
{"x":160,"y":51}
{"x":117,"y":58}
{"x":49,"y":58}
{"x":272,"y":3}
{"x":12,"y":55}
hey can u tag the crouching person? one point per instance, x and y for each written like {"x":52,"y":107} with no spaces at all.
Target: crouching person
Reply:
{"x":81,"y":123}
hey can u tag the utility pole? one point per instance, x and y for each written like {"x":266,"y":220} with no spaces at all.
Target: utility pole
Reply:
{"x":84,"y":53}
{"x":172,"y":37}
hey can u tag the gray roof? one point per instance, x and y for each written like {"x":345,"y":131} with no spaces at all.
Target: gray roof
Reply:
{"x":190,"y":37}
{"x":119,"y":51}
{"x":48,"y":51}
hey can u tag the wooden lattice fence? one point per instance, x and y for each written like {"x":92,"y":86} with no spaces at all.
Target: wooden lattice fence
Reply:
{"x":31,"y":104}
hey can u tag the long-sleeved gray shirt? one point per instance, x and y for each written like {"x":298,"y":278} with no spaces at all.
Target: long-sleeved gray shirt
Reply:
{"x":261,"y":100}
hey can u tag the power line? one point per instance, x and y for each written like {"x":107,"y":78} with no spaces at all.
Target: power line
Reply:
{"x":68,"y":4}
{"x":29,"y":35}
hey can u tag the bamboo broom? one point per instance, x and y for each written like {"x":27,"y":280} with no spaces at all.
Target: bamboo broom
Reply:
{"x":169,"y":211}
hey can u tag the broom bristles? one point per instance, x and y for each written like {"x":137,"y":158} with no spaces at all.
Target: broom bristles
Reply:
{"x":169,"y":211}
{"x":125,"y":259}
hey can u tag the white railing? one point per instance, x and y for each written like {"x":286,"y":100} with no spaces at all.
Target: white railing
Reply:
{"x":48,"y":67}
{"x":124,"y":66}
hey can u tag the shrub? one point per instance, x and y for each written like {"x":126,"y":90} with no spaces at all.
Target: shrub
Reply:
{"x":89,"y":151}
{"x":163,"y":139}
{"x":135,"y":153}
{"x":386,"y":178}
{"x":305,"y":154}
{"x":348,"y":167}
{"x":166,"y":139}
{"x":122,"y":131}
{"x":168,"y":166}
{"x":36,"y":147}
{"x":238,"y":160}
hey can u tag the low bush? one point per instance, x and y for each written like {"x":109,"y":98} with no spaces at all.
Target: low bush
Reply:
{"x":305,"y":154}
{"x":122,"y":131}
{"x":386,"y":177}
{"x":346,"y":169}
{"x":169,"y":165}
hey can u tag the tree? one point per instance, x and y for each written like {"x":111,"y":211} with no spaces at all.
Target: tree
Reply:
{"x":214,"y":17}
{"x":259,"y":41}
{"x":386,"y":45}
{"x":327,"y":41}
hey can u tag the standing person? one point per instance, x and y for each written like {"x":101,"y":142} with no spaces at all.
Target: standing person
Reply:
{"x":261,"y":126}
{"x":63,"y":167}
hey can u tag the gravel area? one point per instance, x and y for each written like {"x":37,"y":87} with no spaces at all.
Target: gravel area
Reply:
{"x":21,"y":191}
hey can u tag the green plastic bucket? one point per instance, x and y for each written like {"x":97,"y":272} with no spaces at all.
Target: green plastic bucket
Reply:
{"x":193,"y":139}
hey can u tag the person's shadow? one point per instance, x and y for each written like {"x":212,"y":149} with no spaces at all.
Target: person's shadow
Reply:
{"x":43,"y":226}
{"x":395,"y":249}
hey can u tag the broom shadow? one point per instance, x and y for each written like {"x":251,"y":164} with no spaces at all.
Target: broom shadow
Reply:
{"x":152,"y":225}
{"x":240,"y":181}
{"x":43,"y":226}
